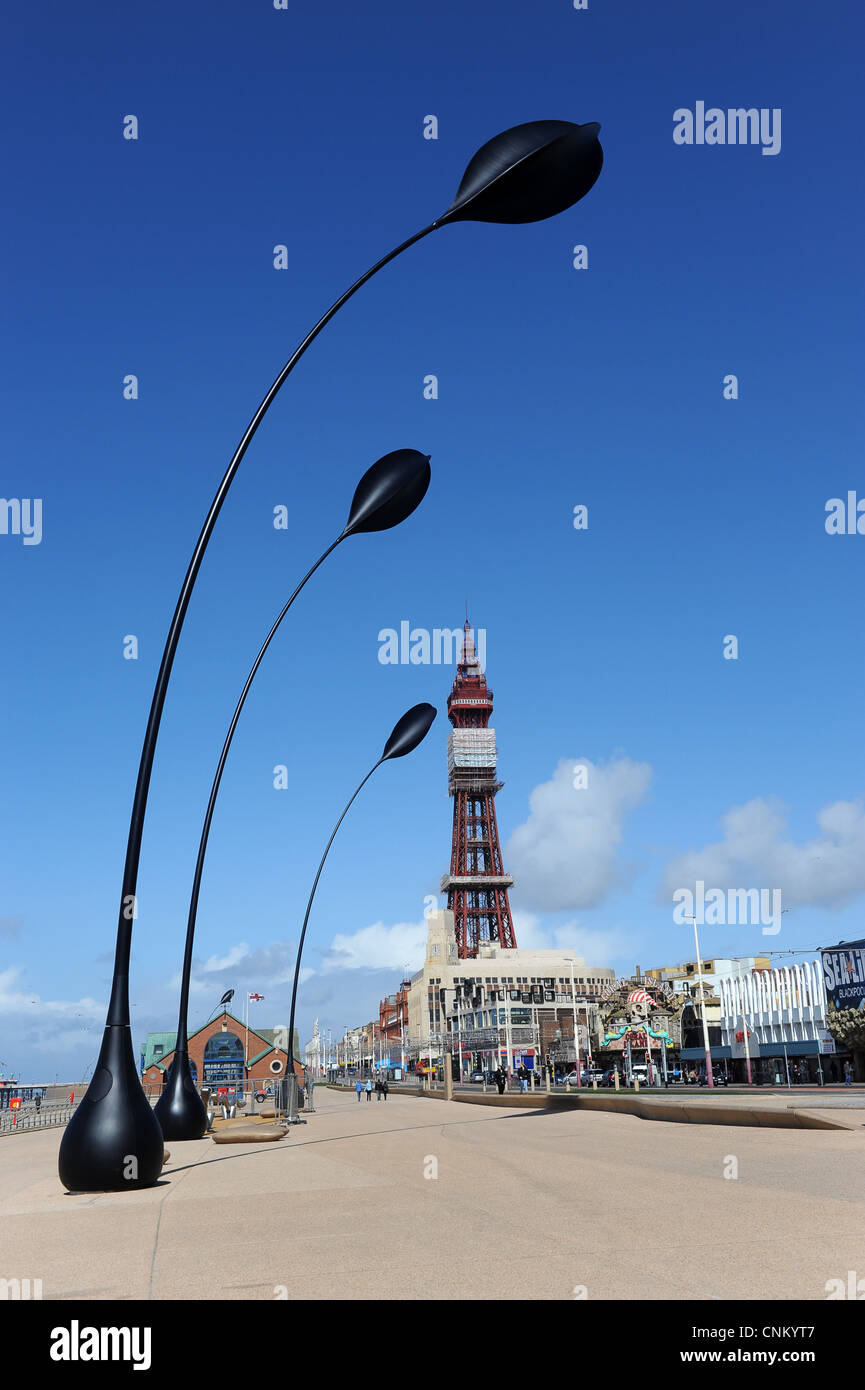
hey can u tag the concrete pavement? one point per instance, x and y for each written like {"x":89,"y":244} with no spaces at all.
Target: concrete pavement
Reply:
{"x":416,"y":1199}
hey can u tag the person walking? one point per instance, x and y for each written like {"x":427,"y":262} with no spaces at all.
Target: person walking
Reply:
{"x":848,"y":1073}
{"x":384,"y":1089}
{"x":377,"y":1089}
{"x":368,"y":1089}
{"x":358,"y":1086}
{"x":499,"y":1078}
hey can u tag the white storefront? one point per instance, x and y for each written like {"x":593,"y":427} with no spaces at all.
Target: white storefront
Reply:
{"x":783,"y":1009}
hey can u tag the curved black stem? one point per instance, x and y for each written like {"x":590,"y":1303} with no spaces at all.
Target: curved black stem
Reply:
{"x":182,"y":1022}
{"x":290,"y":1048}
{"x":118,"y":1008}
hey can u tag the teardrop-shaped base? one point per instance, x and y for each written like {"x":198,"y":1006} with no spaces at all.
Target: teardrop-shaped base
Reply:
{"x":180,"y":1109}
{"x":113,"y":1143}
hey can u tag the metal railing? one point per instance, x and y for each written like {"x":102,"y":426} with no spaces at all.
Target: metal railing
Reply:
{"x":47,"y":1117}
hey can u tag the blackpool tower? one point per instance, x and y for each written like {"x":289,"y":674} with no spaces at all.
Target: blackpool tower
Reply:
{"x":477,"y":885}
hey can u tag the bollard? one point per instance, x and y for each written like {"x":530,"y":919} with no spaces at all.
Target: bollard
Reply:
{"x":594,"y":1083}
{"x":548,"y":1081}
{"x":636,"y":1083}
{"x":616,"y":1078}
{"x":567,"y":1085}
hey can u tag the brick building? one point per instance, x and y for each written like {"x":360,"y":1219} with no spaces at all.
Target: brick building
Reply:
{"x":218,"y":1055}
{"x":393,"y":1014}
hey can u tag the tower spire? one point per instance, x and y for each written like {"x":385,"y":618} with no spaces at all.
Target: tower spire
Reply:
{"x":477,"y":885}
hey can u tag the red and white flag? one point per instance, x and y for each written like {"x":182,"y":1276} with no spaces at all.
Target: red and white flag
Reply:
{"x":256,"y":996}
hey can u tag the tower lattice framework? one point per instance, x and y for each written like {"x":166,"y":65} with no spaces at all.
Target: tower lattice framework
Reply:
{"x":477,"y":885}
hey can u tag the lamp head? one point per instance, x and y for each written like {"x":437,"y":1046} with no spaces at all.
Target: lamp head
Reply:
{"x":528,"y":173}
{"x":409,"y":731}
{"x":388,"y":492}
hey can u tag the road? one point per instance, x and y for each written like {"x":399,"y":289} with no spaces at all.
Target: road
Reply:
{"x":421,"y":1199}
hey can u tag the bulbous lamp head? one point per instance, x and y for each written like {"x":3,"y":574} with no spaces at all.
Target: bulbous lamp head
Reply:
{"x":528,"y":173}
{"x":409,"y":731}
{"x":389,"y":491}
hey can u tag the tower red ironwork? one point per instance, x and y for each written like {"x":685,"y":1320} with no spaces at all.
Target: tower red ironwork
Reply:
{"x":477,"y":885}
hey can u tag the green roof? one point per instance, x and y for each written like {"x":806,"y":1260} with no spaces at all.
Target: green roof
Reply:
{"x":166,"y":1042}
{"x":163,"y":1041}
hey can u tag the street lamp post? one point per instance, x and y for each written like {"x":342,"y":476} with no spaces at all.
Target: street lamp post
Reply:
{"x":744,"y":1024}
{"x":691,"y":917}
{"x":576,"y":1025}
{"x":407,"y":733}
{"x":386,"y":495}
{"x":114,"y":1141}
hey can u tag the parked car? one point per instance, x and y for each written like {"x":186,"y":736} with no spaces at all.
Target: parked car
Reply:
{"x":477,"y":1076}
{"x":718,"y":1077}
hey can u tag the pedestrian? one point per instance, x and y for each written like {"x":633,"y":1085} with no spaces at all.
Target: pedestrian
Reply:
{"x":848,"y":1073}
{"x":359,"y":1088}
{"x":384,"y":1089}
{"x":377,"y":1089}
{"x":500,"y":1080}
{"x":368,"y":1089}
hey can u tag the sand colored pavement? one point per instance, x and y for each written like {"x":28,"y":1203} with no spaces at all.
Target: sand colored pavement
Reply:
{"x":412,"y":1198}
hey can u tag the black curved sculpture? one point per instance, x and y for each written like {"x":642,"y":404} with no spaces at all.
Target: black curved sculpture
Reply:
{"x":386,"y":495}
{"x":113,"y":1141}
{"x":405,"y":736}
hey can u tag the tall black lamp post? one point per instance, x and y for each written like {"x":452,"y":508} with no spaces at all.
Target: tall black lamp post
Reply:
{"x":387,"y":493}
{"x":113,"y":1141}
{"x":407,"y":733}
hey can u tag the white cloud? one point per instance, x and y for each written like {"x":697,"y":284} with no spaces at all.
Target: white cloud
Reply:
{"x":214,"y":964}
{"x":378,"y":948}
{"x":826,"y":871}
{"x":596,"y":946}
{"x":14,"y":1001}
{"x":566,"y":855}
{"x":48,"y":1025}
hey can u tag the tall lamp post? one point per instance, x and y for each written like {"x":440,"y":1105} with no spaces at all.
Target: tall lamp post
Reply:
{"x":114,"y":1141}
{"x":691,"y":917}
{"x":386,"y":495}
{"x":576,"y":1024}
{"x":405,"y":736}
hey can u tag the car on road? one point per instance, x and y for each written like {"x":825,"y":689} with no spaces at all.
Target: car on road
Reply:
{"x":477,"y":1076}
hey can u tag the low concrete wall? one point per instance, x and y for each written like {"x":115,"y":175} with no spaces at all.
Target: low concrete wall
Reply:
{"x":656,"y":1108}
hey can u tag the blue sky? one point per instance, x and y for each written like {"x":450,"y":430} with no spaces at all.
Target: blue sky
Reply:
{"x":557,"y":387}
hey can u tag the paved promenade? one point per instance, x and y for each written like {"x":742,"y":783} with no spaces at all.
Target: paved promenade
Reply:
{"x":524,"y":1205}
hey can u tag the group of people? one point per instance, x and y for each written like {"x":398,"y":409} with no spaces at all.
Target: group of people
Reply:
{"x":380,"y":1088}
